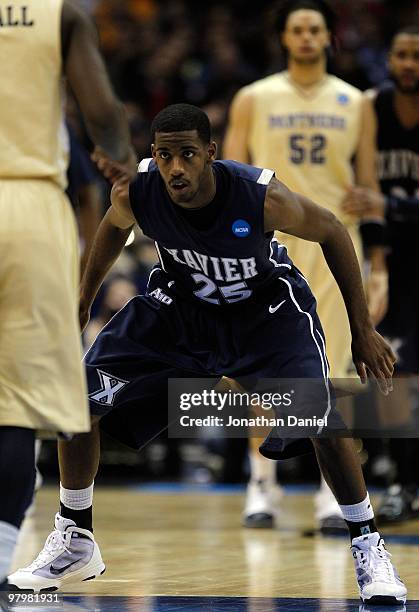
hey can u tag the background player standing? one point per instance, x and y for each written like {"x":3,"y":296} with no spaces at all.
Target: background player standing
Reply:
{"x":308,"y":125}
{"x":42,"y":383}
{"x":395,"y":121}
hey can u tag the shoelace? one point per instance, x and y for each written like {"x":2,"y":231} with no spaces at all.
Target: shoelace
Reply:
{"x":55,"y":541}
{"x":376,"y":563}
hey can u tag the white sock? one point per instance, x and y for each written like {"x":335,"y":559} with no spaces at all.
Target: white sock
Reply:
{"x":8,"y":539}
{"x":77,"y":499}
{"x":357,"y":513}
{"x":262,"y":468}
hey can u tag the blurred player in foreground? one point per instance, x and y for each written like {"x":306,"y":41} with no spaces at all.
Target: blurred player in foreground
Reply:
{"x":42,"y":384}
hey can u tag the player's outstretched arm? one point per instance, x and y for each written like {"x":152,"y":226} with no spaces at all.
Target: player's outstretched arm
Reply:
{"x":297,"y":215}
{"x":110,"y":239}
{"x":85,"y":70}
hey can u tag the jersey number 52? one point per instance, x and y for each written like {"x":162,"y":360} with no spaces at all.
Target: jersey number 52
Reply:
{"x":304,"y":148}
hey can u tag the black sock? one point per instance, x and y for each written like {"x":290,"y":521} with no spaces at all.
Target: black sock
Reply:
{"x":361,"y":528}
{"x":82,"y":518}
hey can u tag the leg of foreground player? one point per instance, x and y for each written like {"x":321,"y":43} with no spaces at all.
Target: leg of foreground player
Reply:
{"x":70,"y":553}
{"x":17,"y":479}
{"x":378,"y":581}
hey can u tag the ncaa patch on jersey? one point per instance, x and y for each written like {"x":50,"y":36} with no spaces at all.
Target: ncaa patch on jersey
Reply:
{"x":241,"y":228}
{"x":343,"y":99}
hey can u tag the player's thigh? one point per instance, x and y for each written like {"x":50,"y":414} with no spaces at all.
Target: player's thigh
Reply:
{"x":40,"y":350}
{"x":127,"y":373}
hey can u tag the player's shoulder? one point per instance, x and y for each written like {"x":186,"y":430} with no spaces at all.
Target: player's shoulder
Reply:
{"x":245,"y":172}
{"x":383,"y":91}
{"x":270,"y":82}
{"x":344,"y":89}
{"x":146,"y":166}
{"x":146,"y":178}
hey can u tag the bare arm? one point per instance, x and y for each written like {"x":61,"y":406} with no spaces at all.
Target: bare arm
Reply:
{"x":110,"y":239}
{"x":366,"y":153}
{"x":236,"y":140}
{"x":89,"y":217}
{"x":84,"y":67}
{"x":297,"y":215}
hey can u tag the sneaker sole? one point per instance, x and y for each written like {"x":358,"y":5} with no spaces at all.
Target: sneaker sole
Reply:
{"x":333,"y":526}
{"x":82,"y":575}
{"x":260,"y":520}
{"x":384,"y":600}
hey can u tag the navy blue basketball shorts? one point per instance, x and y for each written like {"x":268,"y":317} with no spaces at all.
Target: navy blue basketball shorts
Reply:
{"x":160,"y":335}
{"x":400,"y":326}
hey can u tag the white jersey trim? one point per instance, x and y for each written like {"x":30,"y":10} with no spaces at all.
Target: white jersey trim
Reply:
{"x":144,"y":164}
{"x":265,"y":176}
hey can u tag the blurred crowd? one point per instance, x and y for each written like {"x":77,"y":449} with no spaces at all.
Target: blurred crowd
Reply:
{"x":161,"y":52}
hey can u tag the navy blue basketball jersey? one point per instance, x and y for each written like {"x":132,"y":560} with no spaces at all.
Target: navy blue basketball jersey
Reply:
{"x":398,"y":149}
{"x":228,"y":262}
{"x":398,"y":165}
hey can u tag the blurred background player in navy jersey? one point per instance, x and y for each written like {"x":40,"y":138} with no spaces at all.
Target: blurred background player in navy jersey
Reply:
{"x":395,"y":107}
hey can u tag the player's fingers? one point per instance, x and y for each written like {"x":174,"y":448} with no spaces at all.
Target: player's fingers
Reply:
{"x":381,"y":379}
{"x":390,"y":354}
{"x":361,"y":371}
{"x":386,"y":367}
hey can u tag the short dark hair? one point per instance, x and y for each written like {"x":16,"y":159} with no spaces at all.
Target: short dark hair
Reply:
{"x":182,"y":118}
{"x":413,"y":30}
{"x":290,"y":6}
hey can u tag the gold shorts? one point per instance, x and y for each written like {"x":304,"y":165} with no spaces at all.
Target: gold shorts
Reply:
{"x":42,"y":381}
{"x":308,"y":257}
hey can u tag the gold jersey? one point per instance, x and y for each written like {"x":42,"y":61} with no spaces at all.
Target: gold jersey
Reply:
{"x":308,"y":140}
{"x":33,"y":139}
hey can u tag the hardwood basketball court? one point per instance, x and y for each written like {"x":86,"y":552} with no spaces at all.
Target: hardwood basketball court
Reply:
{"x":179,"y":547}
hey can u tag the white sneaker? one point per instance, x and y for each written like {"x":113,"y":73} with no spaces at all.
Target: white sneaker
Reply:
{"x":378,"y":581}
{"x":327,"y":512}
{"x":262,"y":504}
{"x":70,"y":555}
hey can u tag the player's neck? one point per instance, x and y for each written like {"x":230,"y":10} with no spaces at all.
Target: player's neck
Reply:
{"x":407,"y":108}
{"x":307,"y":76}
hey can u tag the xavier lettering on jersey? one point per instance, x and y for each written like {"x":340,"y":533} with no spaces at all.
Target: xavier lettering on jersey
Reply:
{"x":230,"y":261}
{"x":14,"y":16}
{"x":226,"y":269}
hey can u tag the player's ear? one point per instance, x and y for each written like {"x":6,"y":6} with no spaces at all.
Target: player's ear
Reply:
{"x":153,"y":151}
{"x":212,"y":151}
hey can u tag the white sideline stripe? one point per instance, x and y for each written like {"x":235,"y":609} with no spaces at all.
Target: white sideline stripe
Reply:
{"x":324,"y":353}
{"x":160,"y":257}
{"x":144,"y":164}
{"x":271,"y":256}
{"x":265,"y":176}
{"x":152,"y":272}
{"x":328,"y":375}
{"x":324,"y":370}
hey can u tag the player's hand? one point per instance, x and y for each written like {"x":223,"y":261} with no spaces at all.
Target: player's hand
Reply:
{"x":364,"y":203}
{"x":373,"y":358}
{"x":115,"y":171}
{"x":376,"y":289}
